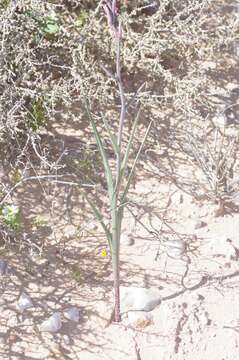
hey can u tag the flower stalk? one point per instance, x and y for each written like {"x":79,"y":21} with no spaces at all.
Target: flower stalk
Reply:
{"x":117,"y":182}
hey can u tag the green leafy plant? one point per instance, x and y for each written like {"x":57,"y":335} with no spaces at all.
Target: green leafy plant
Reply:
{"x":46,"y":26}
{"x":10,"y":215}
{"x":36,"y":115}
{"x":39,"y":221}
{"x":50,"y":25}
{"x":16,"y":176}
{"x":82,"y":18}
{"x":118,"y":183}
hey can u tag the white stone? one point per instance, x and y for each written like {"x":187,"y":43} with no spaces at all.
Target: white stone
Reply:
{"x":175,"y":248}
{"x":72,"y":314}
{"x":53,"y":324}
{"x":66,"y":339}
{"x":135,"y":298}
{"x":126,"y":239}
{"x":69,"y":231}
{"x":220,"y":121}
{"x":24,"y":302}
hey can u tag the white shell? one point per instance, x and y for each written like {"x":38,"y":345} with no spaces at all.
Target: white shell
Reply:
{"x":136,"y":299}
{"x":24,"y":302}
{"x":220,"y":121}
{"x":126,"y":239}
{"x":175,"y":248}
{"x":72,"y":314}
{"x":53,"y":324}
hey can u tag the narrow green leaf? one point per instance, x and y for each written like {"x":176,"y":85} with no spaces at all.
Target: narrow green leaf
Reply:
{"x":100,"y":219}
{"x":129,"y":145}
{"x":108,"y":172}
{"x":111,"y":136}
{"x":50,"y":25}
{"x":134,"y":165}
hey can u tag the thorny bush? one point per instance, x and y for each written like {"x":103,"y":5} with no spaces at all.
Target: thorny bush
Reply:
{"x":52,"y":50}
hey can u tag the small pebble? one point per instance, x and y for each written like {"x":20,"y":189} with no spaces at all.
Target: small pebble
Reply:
{"x":72,"y":314}
{"x":175,"y":248}
{"x":220,"y":121}
{"x":24,"y":302}
{"x":126,"y":239}
{"x":66,"y":339}
{"x":53,"y":324}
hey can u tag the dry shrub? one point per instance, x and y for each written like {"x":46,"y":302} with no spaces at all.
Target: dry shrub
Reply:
{"x":52,"y":51}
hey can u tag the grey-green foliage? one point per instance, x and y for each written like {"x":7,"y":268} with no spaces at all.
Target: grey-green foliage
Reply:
{"x":52,"y":49}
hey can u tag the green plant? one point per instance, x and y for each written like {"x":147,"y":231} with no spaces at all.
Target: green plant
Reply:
{"x":82,"y":18}
{"x":39,"y":221}
{"x":50,"y":24}
{"x":5,"y":3}
{"x":117,"y":182}
{"x":16,"y":176}
{"x":36,"y":115}
{"x":76,"y":273}
{"x":46,"y":27}
{"x":10,"y":215}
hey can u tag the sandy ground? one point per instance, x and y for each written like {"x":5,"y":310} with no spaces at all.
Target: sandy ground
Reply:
{"x":198,"y":315}
{"x":58,"y":261}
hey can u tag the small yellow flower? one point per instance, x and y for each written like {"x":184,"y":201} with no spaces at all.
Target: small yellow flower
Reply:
{"x":103,"y":253}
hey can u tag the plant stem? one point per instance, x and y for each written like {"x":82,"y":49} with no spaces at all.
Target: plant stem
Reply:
{"x":117,"y":213}
{"x":114,"y":3}
{"x":116,"y":231}
{"x":116,"y":273}
{"x":122,"y":110}
{"x":116,"y":207}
